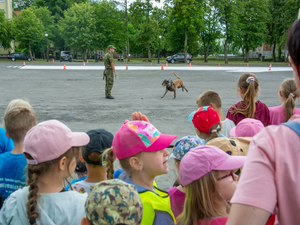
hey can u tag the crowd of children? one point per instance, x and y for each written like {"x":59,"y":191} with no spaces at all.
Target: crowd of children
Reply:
{"x":239,"y":169}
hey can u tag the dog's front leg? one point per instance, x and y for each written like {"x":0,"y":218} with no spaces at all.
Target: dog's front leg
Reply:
{"x":165,"y":93}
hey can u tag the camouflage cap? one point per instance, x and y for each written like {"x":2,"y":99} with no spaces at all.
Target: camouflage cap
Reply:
{"x":114,"y":202}
{"x":111,"y":46}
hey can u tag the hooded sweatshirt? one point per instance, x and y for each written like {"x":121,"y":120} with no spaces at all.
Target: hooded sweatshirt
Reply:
{"x":53,"y":208}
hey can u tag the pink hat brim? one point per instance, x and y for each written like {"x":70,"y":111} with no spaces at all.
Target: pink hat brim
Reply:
{"x":80,"y":139}
{"x":161,"y":143}
{"x":231,"y":163}
{"x":232,"y":132}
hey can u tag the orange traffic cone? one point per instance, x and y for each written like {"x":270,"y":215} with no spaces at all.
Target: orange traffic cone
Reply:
{"x":64,"y":66}
{"x":151,"y":64}
{"x":87,"y":61}
{"x":52,"y":60}
{"x":167,"y":64}
{"x":190,"y":64}
{"x":162,"y":67}
{"x":83,"y":63}
{"x":247,"y":64}
{"x":219,"y":65}
{"x":126,"y":66}
{"x":24,"y":63}
{"x":270,"y":67}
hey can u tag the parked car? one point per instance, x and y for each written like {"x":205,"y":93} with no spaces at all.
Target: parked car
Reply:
{"x":179,"y":57}
{"x":19,"y":55}
{"x":65,"y":56}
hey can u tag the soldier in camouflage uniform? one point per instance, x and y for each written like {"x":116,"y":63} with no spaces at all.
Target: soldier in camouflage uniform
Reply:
{"x":109,"y":70}
{"x":113,"y":202}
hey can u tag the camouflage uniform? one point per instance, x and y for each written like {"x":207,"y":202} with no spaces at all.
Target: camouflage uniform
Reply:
{"x":114,"y":202}
{"x":109,"y":74}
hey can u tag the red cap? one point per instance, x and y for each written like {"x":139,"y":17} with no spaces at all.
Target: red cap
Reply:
{"x":205,"y":118}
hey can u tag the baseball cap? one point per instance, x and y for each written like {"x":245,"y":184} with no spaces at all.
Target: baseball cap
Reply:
{"x":100,"y":140}
{"x":203,"y":159}
{"x":191,"y":116}
{"x":111,"y":46}
{"x":185,"y":144}
{"x":50,"y":139}
{"x":248,"y":127}
{"x":125,"y":202}
{"x":137,"y":136}
{"x":205,"y":118}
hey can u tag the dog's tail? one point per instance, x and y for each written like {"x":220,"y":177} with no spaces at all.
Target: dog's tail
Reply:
{"x":176,"y":75}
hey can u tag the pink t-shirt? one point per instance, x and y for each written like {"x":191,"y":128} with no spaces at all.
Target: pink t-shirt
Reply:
{"x":215,"y":221}
{"x":177,"y":199}
{"x":277,"y":115}
{"x":271,"y":174}
{"x":261,"y":113}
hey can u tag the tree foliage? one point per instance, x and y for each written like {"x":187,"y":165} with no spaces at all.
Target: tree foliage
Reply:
{"x":5,"y":31}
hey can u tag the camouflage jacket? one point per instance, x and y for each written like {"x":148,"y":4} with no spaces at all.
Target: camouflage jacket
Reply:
{"x":108,"y":59}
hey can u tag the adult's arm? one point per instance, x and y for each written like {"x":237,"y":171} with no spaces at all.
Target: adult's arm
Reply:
{"x":247,"y":215}
{"x":113,"y":68}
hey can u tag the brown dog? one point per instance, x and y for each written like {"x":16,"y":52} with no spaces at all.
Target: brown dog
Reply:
{"x":172,"y":86}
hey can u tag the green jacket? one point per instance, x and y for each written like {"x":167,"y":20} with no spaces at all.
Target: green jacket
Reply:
{"x":108,"y":59}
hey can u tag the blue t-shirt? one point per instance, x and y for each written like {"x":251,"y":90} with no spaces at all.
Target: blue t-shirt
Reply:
{"x":13,"y":173}
{"x":6,"y":144}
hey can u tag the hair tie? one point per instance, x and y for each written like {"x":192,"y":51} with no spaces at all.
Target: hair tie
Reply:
{"x":291,"y":94}
{"x":249,"y":79}
{"x":32,"y":221}
{"x":214,"y":131}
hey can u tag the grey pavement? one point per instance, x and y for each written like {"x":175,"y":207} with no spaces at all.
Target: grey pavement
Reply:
{"x":77,"y":98}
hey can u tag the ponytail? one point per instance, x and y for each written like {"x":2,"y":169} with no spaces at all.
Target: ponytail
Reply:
{"x":214,"y":131}
{"x":289,"y":107}
{"x":108,"y":156}
{"x":248,"y":83}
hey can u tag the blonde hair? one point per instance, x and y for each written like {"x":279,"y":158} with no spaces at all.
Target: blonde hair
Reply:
{"x":208,"y":97}
{"x":108,"y":156}
{"x":211,"y":135}
{"x":34,"y":174}
{"x":249,"y":93}
{"x":290,"y":92}
{"x":202,"y":200}
{"x":19,"y":120}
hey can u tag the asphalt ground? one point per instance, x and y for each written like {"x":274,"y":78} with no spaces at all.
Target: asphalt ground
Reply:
{"x":77,"y":98}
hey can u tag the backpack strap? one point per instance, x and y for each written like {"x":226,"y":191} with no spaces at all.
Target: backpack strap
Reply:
{"x":295,"y":126}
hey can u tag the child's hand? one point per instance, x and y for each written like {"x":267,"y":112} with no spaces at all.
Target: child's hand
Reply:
{"x":139,"y":116}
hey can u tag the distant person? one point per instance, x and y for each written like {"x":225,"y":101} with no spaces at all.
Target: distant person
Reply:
{"x":50,"y":149}
{"x":18,"y":120}
{"x":109,"y":70}
{"x":248,"y":127}
{"x":287,"y":94}
{"x":122,"y":58}
{"x":248,"y":88}
{"x":271,"y":174}
{"x":113,"y":202}
{"x":119,"y":58}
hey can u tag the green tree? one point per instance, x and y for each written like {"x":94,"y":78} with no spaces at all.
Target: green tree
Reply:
{"x":28,"y":29}
{"x":187,"y":17}
{"x":5,"y":31}
{"x":78,"y":28}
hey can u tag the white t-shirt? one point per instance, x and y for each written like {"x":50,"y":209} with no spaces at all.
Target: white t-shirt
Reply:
{"x":82,"y":186}
{"x":227,"y":125}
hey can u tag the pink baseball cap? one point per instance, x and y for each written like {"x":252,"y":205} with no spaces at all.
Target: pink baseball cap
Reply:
{"x":50,"y":139}
{"x":203,"y":159}
{"x":246,"y":128}
{"x":137,"y":136}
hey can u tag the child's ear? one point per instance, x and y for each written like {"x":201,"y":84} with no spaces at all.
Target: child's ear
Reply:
{"x":135,"y":163}
{"x":84,"y":221}
{"x":212,"y":105}
{"x":80,"y":156}
{"x":6,"y":134}
{"x":279,"y":92}
{"x":62,"y":163}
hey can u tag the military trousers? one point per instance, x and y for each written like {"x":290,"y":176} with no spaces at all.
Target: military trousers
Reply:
{"x":109,"y":81}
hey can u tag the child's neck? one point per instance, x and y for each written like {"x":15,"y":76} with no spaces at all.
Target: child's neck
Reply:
{"x":18,"y":149}
{"x":143,"y":180}
{"x":51,"y":182}
{"x":95,"y":173}
{"x":220,"y":114}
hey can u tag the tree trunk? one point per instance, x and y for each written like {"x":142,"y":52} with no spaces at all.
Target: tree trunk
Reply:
{"x":34,"y":55}
{"x":279,"y":51}
{"x":84,"y":54}
{"x":243,"y":50}
{"x":149,"y":52}
{"x":247,"y":54}
{"x":273,"y":53}
{"x":206,"y":54}
{"x":77,"y":54}
{"x":30,"y":53}
{"x":44,"y":55}
{"x":225,"y":50}
{"x":185,"y":46}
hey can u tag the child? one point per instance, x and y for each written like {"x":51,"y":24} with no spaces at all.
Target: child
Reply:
{"x":248,"y":88}
{"x":287,"y":93}
{"x":207,"y":123}
{"x":213,"y":99}
{"x":247,"y":128}
{"x":81,"y":172}
{"x":100,"y":140}
{"x":6,"y":144}
{"x":177,"y":192}
{"x":18,"y":120}
{"x":140,"y":148}
{"x":113,"y":202}
{"x":206,"y":173}
{"x":51,"y":149}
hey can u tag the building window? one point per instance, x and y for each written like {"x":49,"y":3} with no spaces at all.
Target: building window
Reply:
{"x":1,"y":0}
